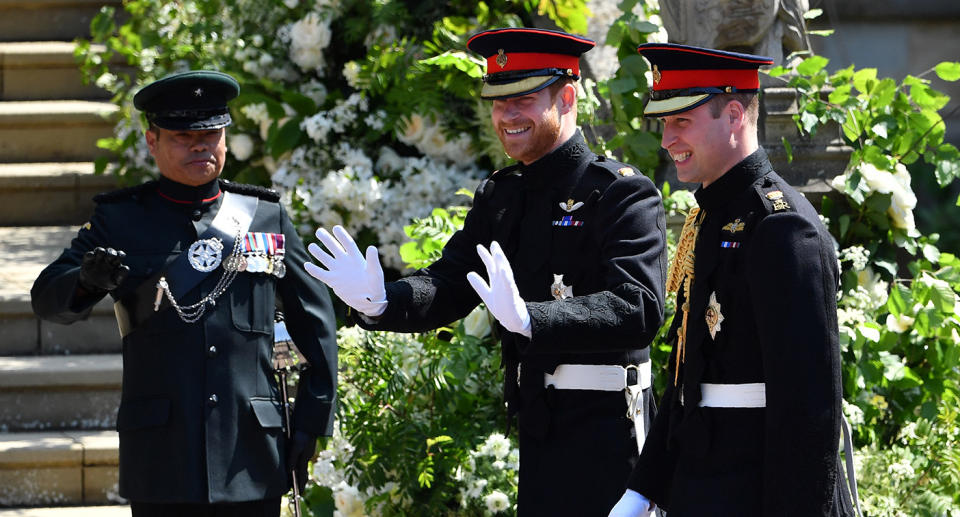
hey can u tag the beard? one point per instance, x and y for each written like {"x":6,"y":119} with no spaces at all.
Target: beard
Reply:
{"x":540,"y":140}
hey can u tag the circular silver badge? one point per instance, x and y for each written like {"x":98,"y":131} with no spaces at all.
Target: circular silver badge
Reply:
{"x":204,"y":255}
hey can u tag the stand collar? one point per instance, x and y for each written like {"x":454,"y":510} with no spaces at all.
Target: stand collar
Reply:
{"x":734,"y":181}
{"x":561,"y":160}
{"x":188,"y":195}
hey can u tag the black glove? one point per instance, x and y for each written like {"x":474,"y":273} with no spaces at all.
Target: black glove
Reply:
{"x":302,"y":447}
{"x":101,"y":270}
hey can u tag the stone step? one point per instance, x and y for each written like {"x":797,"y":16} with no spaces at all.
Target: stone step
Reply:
{"x":28,"y":251}
{"x":35,"y":194}
{"x":53,"y":131}
{"x":59,"y":392}
{"x":58,"y":468}
{"x":37,"y":70}
{"x":46,"y":20}
{"x":68,"y":511}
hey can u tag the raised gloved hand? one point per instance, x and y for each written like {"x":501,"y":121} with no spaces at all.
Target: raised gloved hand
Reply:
{"x":301,"y":449}
{"x":101,"y":270}
{"x":356,"y":280}
{"x":501,"y":297}
{"x":632,"y":504}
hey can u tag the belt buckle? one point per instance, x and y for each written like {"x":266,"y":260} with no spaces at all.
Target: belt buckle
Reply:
{"x":626,"y":373}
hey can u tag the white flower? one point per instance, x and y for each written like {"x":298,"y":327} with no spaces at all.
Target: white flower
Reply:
{"x":351,"y":72}
{"x":382,"y":34}
{"x":256,"y":112}
{"x":497,"y":501}
{"x":897,"y":184}
{"x":291,"y":4}
{"x":902,"y":469}
{"x":900,"y":324}
{"x":857,"y":255}
{"x":477,"y":323}
{"x":241,"y":146}
{"x":106,"y":81}
{"x":411,"y":129}
{"x":347,"y":500}
{"x":316,"y":90}
{"x":873,"y":286}
{"x":257,"y":40}
{"x":496,"y":445}
{"x":309,"y":37}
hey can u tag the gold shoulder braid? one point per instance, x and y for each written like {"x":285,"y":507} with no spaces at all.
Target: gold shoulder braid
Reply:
{"x":681,"y":270}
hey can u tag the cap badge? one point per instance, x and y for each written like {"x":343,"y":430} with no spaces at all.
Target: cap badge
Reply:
{"x":501,"y":58}
{"x":713,"y":315}
{"x":198,"y":92}
{"x":570,"y":205}
{"x":560,"y":291}
{"x":734,"y":227}
{"x":205,"y":254}
{"x":626,"y":171}
{"x":656,"y":75}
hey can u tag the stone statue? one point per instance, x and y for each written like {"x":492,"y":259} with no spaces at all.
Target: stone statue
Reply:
{"x":772,"y":28}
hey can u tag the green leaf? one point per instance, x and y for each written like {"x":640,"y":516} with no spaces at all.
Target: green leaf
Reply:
{"x":302,"y":104}
{"x":812,"y":14}
{"x":928,"y":98}
{"x":942,"y":296}
{"x":893,"y":366}
{"x":870,"y":331}
{"x":809,"y":121}
{"x":948,"y":164}
{"x":948,"y":70}
{"x":286,"y":138}
{"x":777,"y":71}
{"x":812,"y":65}
{"x":931,"y":253}
{"x":864,"y":78}
{"x":840,"y":94}
{"x":824,"y":33}
{"x":788,"y":148}
{"x":622,"y":85}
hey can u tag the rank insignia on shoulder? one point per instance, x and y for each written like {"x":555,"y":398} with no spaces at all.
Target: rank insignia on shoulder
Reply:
{"x":713,"y":315}
{"x":734,"y":227}
{"x":570,"y":206}
{"x":626,"y":171}
{"x":779,"y":204}
{"x":567,"y":220}
{"x":560,"y":291}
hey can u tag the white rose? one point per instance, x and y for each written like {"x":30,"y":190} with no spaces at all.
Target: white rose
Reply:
{"x":497,"y":501}
{"x":241,"y":146}
{"x":411,"y":129}
{"x":900,"y":324}
{"x":477,"y":323}
{"x":308,"y":39}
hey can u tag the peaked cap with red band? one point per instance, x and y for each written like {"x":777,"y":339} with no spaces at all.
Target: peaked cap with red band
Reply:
{"x":685,"y":77}
{"x":522,"y":60}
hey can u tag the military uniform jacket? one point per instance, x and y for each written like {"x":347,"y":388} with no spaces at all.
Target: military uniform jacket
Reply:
{"x":200,"y":417}
{"x":764,"y":255}
{"x":599,"y":224}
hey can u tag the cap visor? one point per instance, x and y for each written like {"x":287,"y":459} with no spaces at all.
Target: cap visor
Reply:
{"x":515,"y":88}
{"x":674,"y":105}
{"x":182,"y":124}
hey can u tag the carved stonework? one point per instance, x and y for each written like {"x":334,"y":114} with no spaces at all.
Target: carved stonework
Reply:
{"x":772,"y":28}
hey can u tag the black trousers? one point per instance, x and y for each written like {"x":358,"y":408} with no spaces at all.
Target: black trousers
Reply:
{"x":259,"y":508}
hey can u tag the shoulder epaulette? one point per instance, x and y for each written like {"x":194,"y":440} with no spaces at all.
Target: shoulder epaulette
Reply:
{"x":124,"y":194}
{"x":618,"y":169}
{"x":266,"y":194}
{"x":773,"y":198}
{"x":506,"y":171}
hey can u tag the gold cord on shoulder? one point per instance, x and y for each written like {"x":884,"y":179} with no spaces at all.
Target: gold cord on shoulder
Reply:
{"x":681,"y":272}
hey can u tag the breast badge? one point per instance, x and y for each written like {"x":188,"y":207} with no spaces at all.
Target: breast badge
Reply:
{"x":560,"y":291}
{"x":734,"y":227}
{"x":205,"y":254}
{"x":567,"y":220}
{"x":570,"y":205}
{"x":713,"y":315}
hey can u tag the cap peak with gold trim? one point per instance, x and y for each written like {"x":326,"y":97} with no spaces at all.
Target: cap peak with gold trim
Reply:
{"x":194,"y":100}
{"x":685,"y":77}
{"x":523,"y":60}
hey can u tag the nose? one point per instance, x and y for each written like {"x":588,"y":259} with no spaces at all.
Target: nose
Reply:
{"x":668,"y":137}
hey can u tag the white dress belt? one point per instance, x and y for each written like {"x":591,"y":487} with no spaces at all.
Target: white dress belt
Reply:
{"x":597,"y":377}
{"x":750,"y":395}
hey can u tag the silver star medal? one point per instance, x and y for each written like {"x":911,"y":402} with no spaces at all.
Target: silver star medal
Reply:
{"x":713,"y":315}
{"x":205,"y":254}
{"x":560,"y":291}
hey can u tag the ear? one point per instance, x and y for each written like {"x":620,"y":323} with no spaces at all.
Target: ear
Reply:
{"x":151,"y":137}
{"x":736,"y":114}
{"x":567,"y":98}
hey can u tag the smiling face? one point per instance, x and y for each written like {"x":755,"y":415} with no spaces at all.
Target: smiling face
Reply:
{"x":188,"y":157}
{"x":530,"y":126}
{"x":704,"y":147}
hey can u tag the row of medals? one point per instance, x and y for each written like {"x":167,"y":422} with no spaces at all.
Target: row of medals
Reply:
{"x":256,"y":262}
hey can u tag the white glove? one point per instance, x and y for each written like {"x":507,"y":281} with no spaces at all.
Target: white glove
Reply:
{"x":356,"y":280}
{"x":501,"y":297}
{"x":632,"y":504}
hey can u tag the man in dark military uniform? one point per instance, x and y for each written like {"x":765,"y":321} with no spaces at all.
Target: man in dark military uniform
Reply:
{"x":573,"y":246}
{"x":750,"y":421}
{"x":197,"y":266}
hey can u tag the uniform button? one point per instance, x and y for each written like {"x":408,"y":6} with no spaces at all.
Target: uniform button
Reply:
{"x":212,"y":401}
{"x":196,"y":215}
{"x":212,"y":351}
